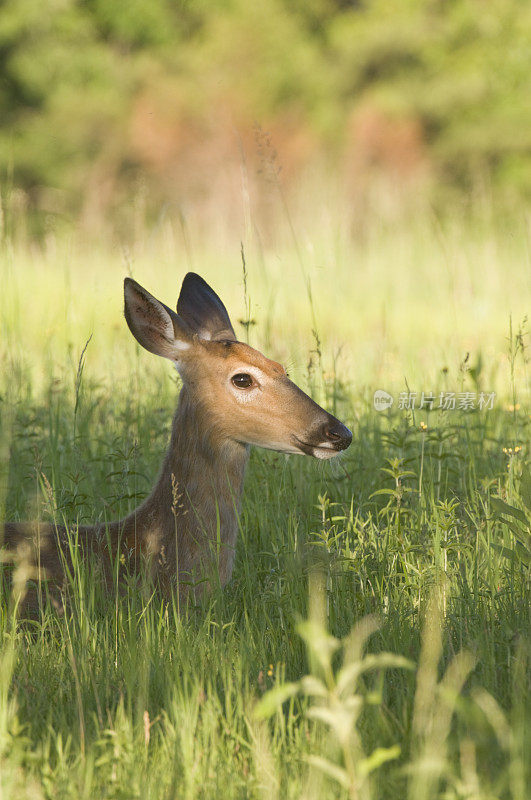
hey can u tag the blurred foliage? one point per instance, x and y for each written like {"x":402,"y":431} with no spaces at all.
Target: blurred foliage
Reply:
{"x":96,"y":93}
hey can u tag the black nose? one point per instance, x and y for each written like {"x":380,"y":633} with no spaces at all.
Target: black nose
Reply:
{"x":338,"y":434}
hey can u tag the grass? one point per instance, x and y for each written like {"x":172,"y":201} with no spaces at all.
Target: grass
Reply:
{"x":374,"y":641}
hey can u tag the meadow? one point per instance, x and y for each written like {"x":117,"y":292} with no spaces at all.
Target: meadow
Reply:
{"x":374,"y":641}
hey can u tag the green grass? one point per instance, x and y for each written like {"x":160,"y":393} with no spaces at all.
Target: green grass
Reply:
{"x":400,"y":539}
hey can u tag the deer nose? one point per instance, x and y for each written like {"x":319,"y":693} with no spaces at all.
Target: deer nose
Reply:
{"x":338,"y":434}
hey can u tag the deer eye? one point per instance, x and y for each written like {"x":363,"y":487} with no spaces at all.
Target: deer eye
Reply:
{"x":242,"y":380}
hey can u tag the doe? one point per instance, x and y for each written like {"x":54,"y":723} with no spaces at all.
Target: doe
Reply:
{"x":232,"y":397}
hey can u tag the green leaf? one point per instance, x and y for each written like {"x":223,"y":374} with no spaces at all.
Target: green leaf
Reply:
{"x":392,"y":492}
{"x":313,"y":687}
{"x":274,"y":698}
{"x":332,"y":770}
{"x":340,"y":719}
{"x":349,"y":674}
{"x":511,"y":555}
{"x":377,"y":758}
{"x":520,"y":534}
{"x":525,"y":486}
{"x":523,"y":553}
{"x":319,"y":641}
{"x":504,"y":508}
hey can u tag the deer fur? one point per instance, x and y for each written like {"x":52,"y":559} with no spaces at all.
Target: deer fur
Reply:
{"x":184,"y":534}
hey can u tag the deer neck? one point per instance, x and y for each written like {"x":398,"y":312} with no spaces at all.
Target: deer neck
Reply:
{"x":198,"y":493}
{"x":198,"y":465}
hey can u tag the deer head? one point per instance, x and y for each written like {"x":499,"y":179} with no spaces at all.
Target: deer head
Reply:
{"x":242,"y":396}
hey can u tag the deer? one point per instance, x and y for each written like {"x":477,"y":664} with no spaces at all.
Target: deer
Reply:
{"x":183,"y":535}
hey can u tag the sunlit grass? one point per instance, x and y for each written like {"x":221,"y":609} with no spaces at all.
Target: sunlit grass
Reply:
{"x":402,"y":302}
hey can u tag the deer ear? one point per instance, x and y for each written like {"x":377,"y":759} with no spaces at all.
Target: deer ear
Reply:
{"x":202,"y":310}
{"x":155,"y":326}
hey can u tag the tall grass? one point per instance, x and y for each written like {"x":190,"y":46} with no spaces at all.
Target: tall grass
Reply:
{"x":374,"y":641}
